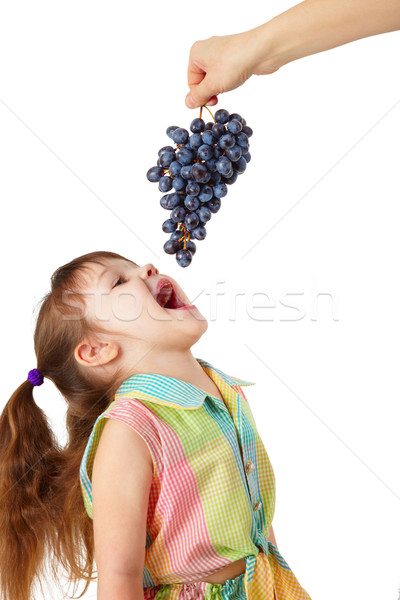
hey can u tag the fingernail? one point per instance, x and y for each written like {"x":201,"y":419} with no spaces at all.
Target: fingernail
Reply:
{"x":190,"y":101}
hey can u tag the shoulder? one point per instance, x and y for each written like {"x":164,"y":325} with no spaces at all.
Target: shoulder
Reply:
{"x":140,"y":421}
{"x":138,"y":427}
{"x":121,"y":446}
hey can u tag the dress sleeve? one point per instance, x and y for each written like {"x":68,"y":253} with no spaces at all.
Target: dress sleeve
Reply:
{"x":135,"y":415}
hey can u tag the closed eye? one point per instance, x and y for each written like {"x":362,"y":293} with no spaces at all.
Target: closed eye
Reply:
{"x":119,"y":281}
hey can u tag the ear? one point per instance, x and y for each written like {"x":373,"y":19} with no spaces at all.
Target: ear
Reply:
{"x":92,"y":353}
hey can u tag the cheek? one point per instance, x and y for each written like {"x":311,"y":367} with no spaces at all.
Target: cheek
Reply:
{"x":125,"y":306}
{"x":136,"y":307}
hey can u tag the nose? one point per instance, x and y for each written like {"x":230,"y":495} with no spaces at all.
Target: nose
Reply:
{"x":149,"y":269}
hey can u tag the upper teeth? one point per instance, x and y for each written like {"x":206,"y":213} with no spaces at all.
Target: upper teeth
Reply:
{"x":164,"y":294}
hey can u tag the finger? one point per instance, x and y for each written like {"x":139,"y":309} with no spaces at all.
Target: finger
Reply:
{"x":190,"y":103}
{"x":195,"y":74}
{"x":200,"y":94}
{"x":212,"y":101}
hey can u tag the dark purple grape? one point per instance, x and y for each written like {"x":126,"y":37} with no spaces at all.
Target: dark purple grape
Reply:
{"x":197,"y":125}
{"x":247,"y":157}
{"x":220,"y":190}
{"x":178,"y":214}
{"x":231,"y":179}
{"x":199,"y":173}
{"x":175,"y":168}
{"x":207,"y":177}
{"x":211,"y":164}
{"x":163,"y":201}
{"x":154,"y":174}
{"x":221,"y":116}
{"x":165,"y":149}
{"x":247,"y":130}
{"x":226,"y":141}
{"x":234,"y":126}
{"x":165,"y":184}
{"x":167,"y":158}
{"x":218,"y":129}
{"x":224,"y":166}
{"x":192,"y":202}
{"x":206,"y":193}
{"x":172,"y":246}
{"x":191,"y":246}
{"x":237,"y":117}
{"x":208,"y":126}
{"x":178,"y":183}
{"x":192,"y":220}
{"x":168,"y":226}
{"x":208,"y":138}
{"x":186,"y":171}
{"x":172,"y":200}
{"x":240,"y":165}
{"x":184,"y":156}
{"x":242,"y":139}
{"x":218,"y":151}
{"x":214,"y":205}
{"x":170,"y":130}
{"x":195,"y":141}
{"x":193,"y":188}
{"x":183,"y":257}
{"x":180,"y":135}
{"x":234,"y":153}
{"x":199,"y":233}
{"x":205,"y":152}
{"x":204,"y":214}
{"x":215,"y":177}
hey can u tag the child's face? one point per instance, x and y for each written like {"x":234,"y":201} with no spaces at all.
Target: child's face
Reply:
{"x":121,"y":299}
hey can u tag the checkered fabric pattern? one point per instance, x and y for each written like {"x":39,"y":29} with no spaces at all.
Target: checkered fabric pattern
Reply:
{"x":212,"y":497}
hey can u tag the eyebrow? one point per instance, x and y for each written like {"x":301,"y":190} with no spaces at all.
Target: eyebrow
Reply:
{"x":100,"y":277}
{"x":107,"y":269}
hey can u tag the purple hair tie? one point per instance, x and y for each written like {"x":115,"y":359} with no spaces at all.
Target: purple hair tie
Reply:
{"x":35,"y":377}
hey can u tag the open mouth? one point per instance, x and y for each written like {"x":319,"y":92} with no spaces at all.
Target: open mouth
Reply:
{"x":167,"y":298}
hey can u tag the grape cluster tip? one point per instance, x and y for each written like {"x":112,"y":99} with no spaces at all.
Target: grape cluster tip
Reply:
{"x":194,"y":175}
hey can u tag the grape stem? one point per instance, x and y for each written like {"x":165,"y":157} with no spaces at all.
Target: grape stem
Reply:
{"x":201,"y":112}
{"x":185,"y":233}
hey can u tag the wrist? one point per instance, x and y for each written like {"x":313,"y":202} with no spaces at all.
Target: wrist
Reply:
{"x":272,"y":46}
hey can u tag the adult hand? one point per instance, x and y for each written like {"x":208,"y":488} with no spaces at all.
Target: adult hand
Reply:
{"x":223,"y":63}
{"x":220,"y":64}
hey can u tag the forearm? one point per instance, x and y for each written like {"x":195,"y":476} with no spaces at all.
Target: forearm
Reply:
{"x":317,"y":25}
{"x":117,"y":586}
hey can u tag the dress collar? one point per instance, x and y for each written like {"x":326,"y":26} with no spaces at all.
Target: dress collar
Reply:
{"x":173,"y":392}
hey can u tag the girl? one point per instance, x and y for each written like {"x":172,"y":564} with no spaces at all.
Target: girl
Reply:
{"x":175,"y":497}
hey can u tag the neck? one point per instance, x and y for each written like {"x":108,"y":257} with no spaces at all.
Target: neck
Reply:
{"x":172,"y":363}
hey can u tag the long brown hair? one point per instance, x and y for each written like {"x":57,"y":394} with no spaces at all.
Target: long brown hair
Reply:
{"x":43,"y":520}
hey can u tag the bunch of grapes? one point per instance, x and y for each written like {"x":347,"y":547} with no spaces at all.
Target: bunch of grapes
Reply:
{"x":194,"y":175}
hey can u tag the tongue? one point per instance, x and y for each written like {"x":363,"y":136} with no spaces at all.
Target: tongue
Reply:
{"x":172,"y":302}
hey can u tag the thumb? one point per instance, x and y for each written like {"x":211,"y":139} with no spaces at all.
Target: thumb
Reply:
{"x":200,"y":94}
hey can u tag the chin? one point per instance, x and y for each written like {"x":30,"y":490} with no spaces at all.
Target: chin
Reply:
{"x":193,"y":328}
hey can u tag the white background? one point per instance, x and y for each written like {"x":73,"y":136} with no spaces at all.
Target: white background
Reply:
{"x":87,"y":90}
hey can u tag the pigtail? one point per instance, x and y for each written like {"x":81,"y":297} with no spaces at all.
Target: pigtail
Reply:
{"x":30,"y":460}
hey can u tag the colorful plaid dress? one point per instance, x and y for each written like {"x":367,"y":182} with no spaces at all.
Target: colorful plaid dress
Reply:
{"x":212,"y":497}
